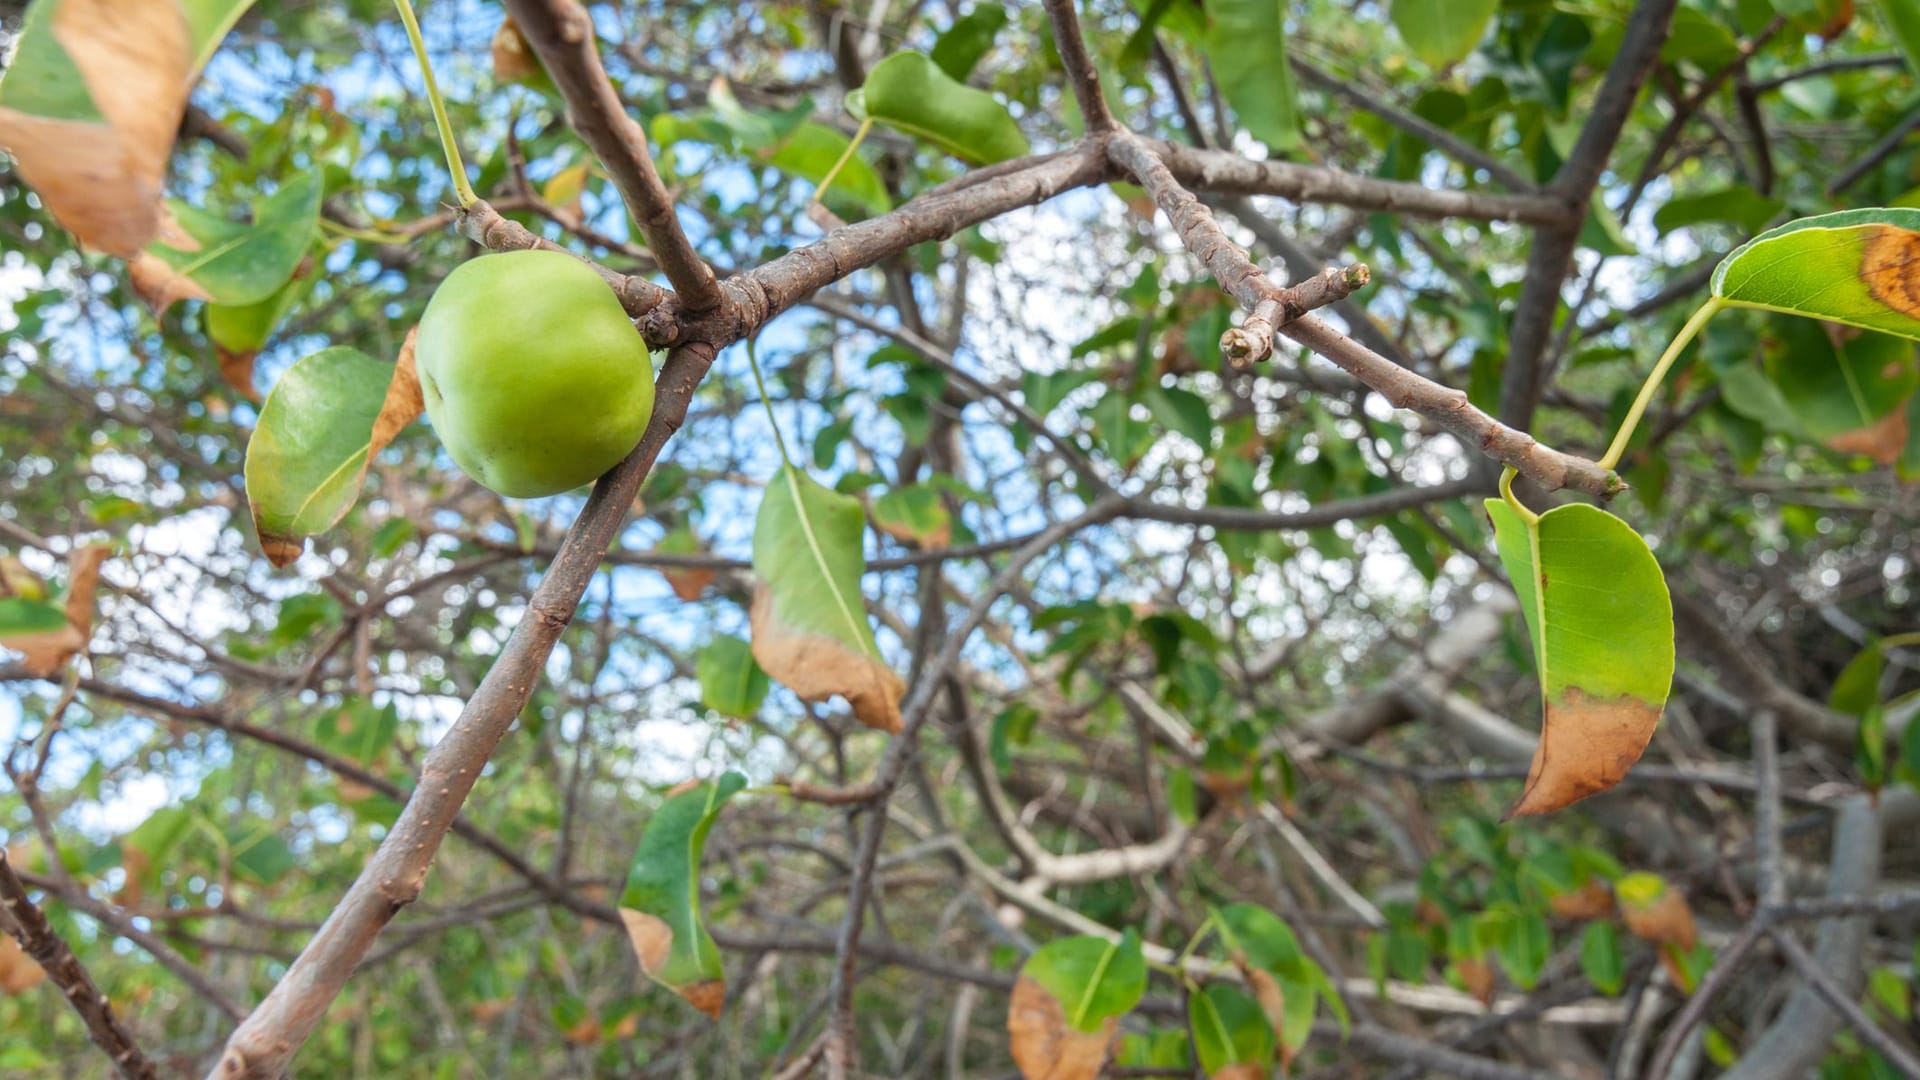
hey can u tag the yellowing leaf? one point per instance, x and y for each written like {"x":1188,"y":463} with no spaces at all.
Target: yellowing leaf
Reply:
{"x":1655,"y":911}
{"x":47,"y":637}
{"x":1601,"y":623}
{"x":809,"y":623}
{"x":326,"y":419}
{"x":92,"y":101}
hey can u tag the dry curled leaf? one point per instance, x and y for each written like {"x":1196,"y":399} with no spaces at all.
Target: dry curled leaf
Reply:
{"x":45,"y":652}
{"x":1657,"y":912}
{"x":1045,"y":1046}
{"x":1884,"y":440}
{"x":1587,"y":744}
{"x":1591,"y":901}
{"x":1477,"y":974}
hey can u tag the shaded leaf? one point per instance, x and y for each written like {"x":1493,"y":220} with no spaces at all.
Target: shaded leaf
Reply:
{"x":960,"y":47}
{"x":324,"y":421}
{"x":240,"y":331}
{"x":1601,"y":624}
{"x":1600,"y":958}
{"x":515,"y":61}
{"x":810,"y":628}
{"x":661,"y":902}
{"x":1846,"y":388}
{"x":358,"y":730}
{"x":1230,"y":1033}
{"x":1247,"y":49}
{"x":45,"y":636}
{"x":204,"y":256}
{"x":908,"y":91}
{"x":810,"y":153}
{"x":731,"y":683}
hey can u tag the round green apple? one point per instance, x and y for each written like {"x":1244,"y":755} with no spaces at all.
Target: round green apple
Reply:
{"x":534,"y":378}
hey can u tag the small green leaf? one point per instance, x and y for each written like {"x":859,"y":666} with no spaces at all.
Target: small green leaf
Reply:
{"x":914,"y":514}
{"x":810,"y":627}
{"x":1857,"y":267}
{"x":959,"y":49}
{"x":238,"y":264}
{"x":323,"y":422}
{"x":810,"y":153}
{"x":1857,"y":688}
{"x":1601,"y":623}
{"x":1442,"y":32}
{"x":731,"y":683}
{"x":908,"y":91}
{"x":661,"y":901}
{"x":1181,"y":410}
{"x":1229,"y":1028}
{"x":1600,"y":957}
{"x":357,"y":729}
{"x":1093,"y":978}
{"x":1247,"y":48}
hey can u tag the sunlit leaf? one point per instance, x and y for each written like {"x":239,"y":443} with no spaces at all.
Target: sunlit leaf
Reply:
{"x":1858,"y":267}
{"x":810,"y":627}
{"x":908,"y":91}
{"x":240,"y":331}
{"x":205,"y":256}
{"x":1247,"y":49}
{"x":1601,"y":623}
{"x":324,"y":421}
{"x":661,"y":902}
{"x":1068,"y":1002}
{"x":810,"y":153}
{"x":1442,"y":32}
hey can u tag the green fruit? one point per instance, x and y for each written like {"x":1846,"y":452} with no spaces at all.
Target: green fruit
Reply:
{"x":534,"y":378}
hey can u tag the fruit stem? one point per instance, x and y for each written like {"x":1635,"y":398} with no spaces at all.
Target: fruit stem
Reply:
{"x":760,"y":382}
{"x":820,"y":192}
{"x":1506,"y":492}
{"x":461,"y":188}
{"x":1655,"y":377}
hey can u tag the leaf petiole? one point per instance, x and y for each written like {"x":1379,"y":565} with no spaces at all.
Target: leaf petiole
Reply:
{"x":820,"y":192}
{"x":461,"y":187}
{"x":761,"y":383}
{"x":1654,"y":379}
{"x":1506,"y":492}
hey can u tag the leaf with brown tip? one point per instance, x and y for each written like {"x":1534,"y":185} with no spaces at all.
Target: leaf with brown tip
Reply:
{"x":1044,"y":1046}
{"x":660,"y":905}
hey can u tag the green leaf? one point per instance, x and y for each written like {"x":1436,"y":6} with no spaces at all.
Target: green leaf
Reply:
{"x":810,"y":153}
{"x":1857,"y":688}
{"x":234,"y":263}
{"x":1229,"y":1028}
{"x":22,"y":617}
{"x":258,"y":855}
{"x":1258,"y":936}
{"x":1904,"y":17}
{"x":810,"y":628}
{"x":1600,"y":957}
{"x":959,"y":49}
{"x":1699,"y":37}
{"x":323,"y":422}
{"x":661,"y":902}
{"x":1857,"y":267}
{"x":1601,"y":624}
{"x":908,"y":91}
{"x":1737,"y":204}
{"x":1012,"y":727}
{"x":1094,"y":979}
{"x":1443,"y":32}
{"x":357,"y":730}
{"x":1847,"y":389}
{"x":1181,"y":410}
{"x":731,"y":683}
{"x":245,"y":328}
{"x":1247,"y":48}
{"x":914,"y":514}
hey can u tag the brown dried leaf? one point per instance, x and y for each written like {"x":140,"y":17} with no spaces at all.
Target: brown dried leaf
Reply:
{"x":1884,"y":440}
{"x":160,"y":286}
{"x":651,"y":938}
{"x":1045,"y":1046}
{"x":1666,"y":919}
{"x":1266,"y":991}
{"x":237,"y":369}
{"x":1477,"y":974}
{"x":100,"y":180}
{"x":513,"y":58}
{"x":1587,"y":744}
{"x":689,"y":583}
{"x":44,"y":654}
{"x":817,"y":667}
{"x":1245,"y":1070}
{"x":18,"y":971}
{"x":1591,"y":901}
{"x":404,"y":402}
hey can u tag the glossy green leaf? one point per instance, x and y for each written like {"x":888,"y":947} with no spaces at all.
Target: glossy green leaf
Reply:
{"x":731,"y":683}
{"x":321,"y":425}
{"x":960,"y":47}
{"x":234,"y":263}
{"x":1600,"y":957}
{"x":810,"y":627}
{"x":1093,"y":978}
{"x":92,"y":99}
{"x":1601,"y":624}
{"x":1247,"y":49}
{"x":1442,"y":32}
{"x":661,"y":902}
{"x":908,"y":91}
{"x":1229,"y":1028}
{"x":1858,"y":267}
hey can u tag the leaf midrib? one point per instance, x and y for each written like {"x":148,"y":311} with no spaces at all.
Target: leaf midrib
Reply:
{"x":854,"y":627}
